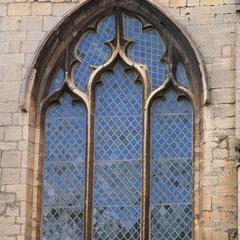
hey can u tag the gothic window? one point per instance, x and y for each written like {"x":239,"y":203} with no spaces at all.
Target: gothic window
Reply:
{"x":118,"y":135}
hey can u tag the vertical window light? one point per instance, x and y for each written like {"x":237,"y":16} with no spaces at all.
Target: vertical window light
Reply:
{"x":64,"y":165}
{"x":117,"y":191}
{"x":171,"y":168}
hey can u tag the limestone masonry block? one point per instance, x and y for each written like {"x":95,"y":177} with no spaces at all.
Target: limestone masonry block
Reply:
{"x":19,"y":9}
{"x":31,"y":23}
{"x":41,"y":9}
{"x":10,"y":176}
{"x":13,"y":133}
{"x":178,"y":3}
{"x":3,"y":9}
{"x":59,"y":9}
{"x":11,"y":159}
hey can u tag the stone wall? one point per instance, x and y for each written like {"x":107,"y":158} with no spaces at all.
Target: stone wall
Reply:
{"x":212,"y":26}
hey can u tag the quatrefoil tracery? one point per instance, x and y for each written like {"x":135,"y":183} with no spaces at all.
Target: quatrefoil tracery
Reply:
{"x":119,"y":46}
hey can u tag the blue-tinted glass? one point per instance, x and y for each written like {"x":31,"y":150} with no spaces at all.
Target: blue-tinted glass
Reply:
{"x":118,"y":143}
{"x":148,"y":48}
{"x":182,"y":76}
{"x":171,"y":181}
{"x":117,"y":223}
{"x":172,"y":106}
{"x":65,"y":132}
{"x":65,"y":143}
{"x":92,"y":51}
{"x":63,"y":223}
{"x":172,"y":222}
{"x":171,"y":168}
{"x":117,"y":183}
{"x":57,"y":81}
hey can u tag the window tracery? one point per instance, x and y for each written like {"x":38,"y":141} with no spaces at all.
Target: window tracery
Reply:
{"x":124,"y":128}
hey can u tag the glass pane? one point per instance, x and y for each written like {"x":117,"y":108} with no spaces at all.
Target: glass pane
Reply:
{"x":117,"y":183}
{"x":63,"y":223}
{"x":171,"y":181}
{"x":117,"y":223}
{"x":92,"y":51}
{"x":171,"y":168}
{"x":57,"y":81}
{"x":182,"y":76}
{"x":65,"y":143}
{"x":118,"y":143}
{"x":172,"y":222}
{"x":148,"y":48}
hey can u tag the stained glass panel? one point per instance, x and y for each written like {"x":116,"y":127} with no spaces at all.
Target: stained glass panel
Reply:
{"x":172,"y":222}
{"x":171,"y":168}
{"x":148,"y":49}
{"x":63,"y":197}
{"x":92,"y":51}
{"x":182,"y":76}
{"x":117,"y":223}
{"x":63,"y":223}
{"x":57,"y":81}
{"x":118,"y":143}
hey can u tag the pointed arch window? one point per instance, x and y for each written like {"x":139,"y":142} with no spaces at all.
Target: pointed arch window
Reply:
{"x":119,"y":135}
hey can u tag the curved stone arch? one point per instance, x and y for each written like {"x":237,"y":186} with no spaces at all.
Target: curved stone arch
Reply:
{"x":75,"y":23}
{"x":52,"y":52}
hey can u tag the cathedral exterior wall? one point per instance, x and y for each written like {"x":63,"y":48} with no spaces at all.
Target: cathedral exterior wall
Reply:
{"x":212,"y":24}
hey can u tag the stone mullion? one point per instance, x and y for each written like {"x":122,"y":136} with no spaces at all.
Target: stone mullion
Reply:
{"x":88,"y":204}
{"x":145,"y":219}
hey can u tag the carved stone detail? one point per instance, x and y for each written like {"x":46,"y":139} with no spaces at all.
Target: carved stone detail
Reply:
{"x":233,"y":234}
{"x":6,"y":199}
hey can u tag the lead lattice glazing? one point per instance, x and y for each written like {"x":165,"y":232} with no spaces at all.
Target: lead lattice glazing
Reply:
{"x":64,"y":167}
{"x":119,"y":105}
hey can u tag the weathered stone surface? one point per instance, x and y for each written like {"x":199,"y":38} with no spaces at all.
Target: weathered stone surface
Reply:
{"x":13,"y":133}
{"x":31,"y":23}
{"x":3,"y":9}
{"x":7,"y":197}
{"x":11,"y":159}
{"x":10,"y":176}
{"x":41,"y":9}
{"x":19,"y":9}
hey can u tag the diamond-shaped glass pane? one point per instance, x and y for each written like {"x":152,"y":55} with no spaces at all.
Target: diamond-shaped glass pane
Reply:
{"x":64,"y":184}
{"x":117,"y":223}
{"x":182,"y":76}
{"x":63,"y":223}
{"x":118,"y":138}
{"x":65,"y":143}
{"x":65,"y":132}
{"x":172,"y":181}
{"x":117,"y":183}
{"x":92,"y":50}
{"x":118,"y":143}
{"x":171,"y":168}
{"x":148,"y":49}
{"x":57,"y":81}
{"x":171,"y":106}
{"x":172,"y":222}
{"x":172,"y":136}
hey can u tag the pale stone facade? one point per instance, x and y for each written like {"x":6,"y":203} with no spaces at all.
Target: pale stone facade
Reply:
{"x":213,"y":26}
